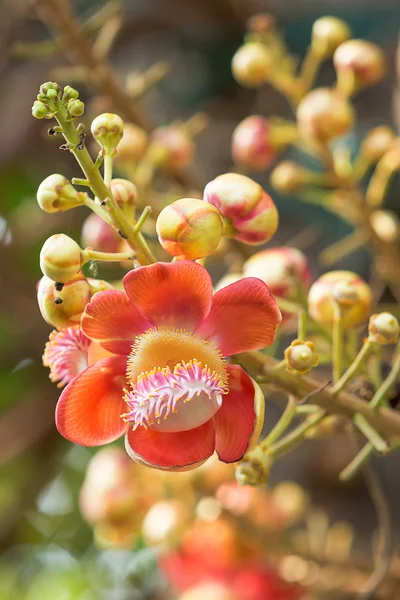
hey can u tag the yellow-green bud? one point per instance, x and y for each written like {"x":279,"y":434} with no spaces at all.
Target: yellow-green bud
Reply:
{"x":252,"y":65}
{"x":287,"y":177}
{"x":50,"y":89}
{"x":324,"y":114}
{"x":124,"y":191}
{"x":60,"y":258}
{"x":301,"y":357}
{"x":377,"y":142}
{"x":76,"y":108}
{"x":56,"y":194}
{"x":39,"y":110}
{"x":189,"y":227}
{"x":70,"y":92}
{"x":383,"y":328}
{"x":98,"y":285}
{"x":362,"y":59}
{"x":327,"y":34}
{"x":107,"y":130}
{"x":386,"y":225}
{"x":63,"y":308}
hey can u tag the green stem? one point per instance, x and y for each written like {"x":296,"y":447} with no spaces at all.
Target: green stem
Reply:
{"x":302,"y":325}
{"x":356,"y":365}
{"x":108,"y":170}
{"x":99,"y":210}
{"x":382,"y":392}
{"x":309,"y":69}
{"x":337,"y":343}
{"x":143,"y":218}
{"x":89,"y":254}
{"x":371,"y":434}
{"x":101,"y":191}
{"x":287,"y":417}
{"x":297,"y":435}
{"x":358,"y":461}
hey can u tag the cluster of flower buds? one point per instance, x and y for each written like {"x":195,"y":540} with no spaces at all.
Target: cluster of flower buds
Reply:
{"x":51,"y":98}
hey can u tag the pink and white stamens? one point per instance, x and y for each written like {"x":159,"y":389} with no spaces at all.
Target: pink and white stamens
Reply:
{"x":66,"y":354}
{"x":175,"y":399}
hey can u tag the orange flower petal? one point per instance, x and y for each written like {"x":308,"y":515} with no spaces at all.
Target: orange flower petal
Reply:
{"x":183,"y":450}
{"x":88,"y":411}
{"x":239,"y":421}
{"x":171,"y":294}
{"x":243,"y":316}
{"x":111,"y":320}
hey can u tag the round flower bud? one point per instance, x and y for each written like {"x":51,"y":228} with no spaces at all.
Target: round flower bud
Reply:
{"x":301,"y":357}
{"x":189,"y":227}
{"x":345,"y":287}
{"x":210,"y":590}
{"x":50,"y":89}
{"x":254,"y":143}
{"x":383,"y":328}
{"x":133,"y":144}
{"x":75,"y":107}
{"x":324,"y":114}
{"x":107,"y":130}
{"x":282,"y":269}
{"x":70,"y":92}
{"x":63,"y":308}
{"x":124,"y":191}
{"x":377,"y":142}
{"x":252,"y":64}
{"x":362,"y":59}
{"x":60,"y":258}
{"x":327,"y":34}
{"x":171,"y":148}
{"x":56,"y":194}
{"x":287,"y":177}
{"x":98,"y":285}
{"x":386,"y":225}
{"x":99,"y":235}
{"x":39,"y":110}
{"x":247,"y":209}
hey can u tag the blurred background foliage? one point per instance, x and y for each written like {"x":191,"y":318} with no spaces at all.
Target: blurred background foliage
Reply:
{"x":48,"y":550}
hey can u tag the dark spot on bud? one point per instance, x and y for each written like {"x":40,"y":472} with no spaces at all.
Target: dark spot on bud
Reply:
{"x":59,"y":286}
{"x":65,"y":146}
{"x":124,"y":237}
{"x":51,"y":131}
{"x":58,"y":300}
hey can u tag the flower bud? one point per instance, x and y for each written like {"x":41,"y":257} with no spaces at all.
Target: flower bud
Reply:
{"x":107,"y":130}
{"x":261,"y":23}
{"x":252,"y":64}
{"x":189,"y":227}
{"x":124,"y":191}
{"x":63,"y":308}
{"x":383,"y":328}
{"x":327,"y":34}
{"x":39,"y":110}
{"x":324,"y":114}
{"x":75,"y":107}
{"x":362,"y":59}
{"x":386,"y":225}
{"x":56,"y":194}
{"x":247,"y":209}
{"x":171,"y":148}
{"x":133,"y":144}
{"x":69,"y":92}
{"x":282,"y":269}
{"x":377,"y":142}
{"x":98,"y":285}
{"x":255,"y":143}
{"x":301,"y":357}
{"x":60,"y":258}
{"x":51,"y":90}
{"x":349,"y":290}
{"x":287,"y":177}
{"x":99,"y":235}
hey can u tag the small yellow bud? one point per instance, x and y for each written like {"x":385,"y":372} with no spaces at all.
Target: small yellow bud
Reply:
{"x":377,"y":142}
{"x":327,"y":34}
{"x":287,"y":177}
{"x":56,"y":194}
{"x":345,"y":287}
{"x":362,"y":59}
{"x":75,"y":107}
{"x":189,"y":227}
{"x":124,"y":191}
{"x":252,"y":64}
{"x":301,"y":357}
{"x":324,"y":114}
{"x":63,"y":308}
{"x":386,"y":225}
{"x":60,"y":258}
{"x":133,"y":144}
{"x":383,"y":328}
{"x":39,"y":110}
{"x":171,"y":148}
{"x":107,"y":130}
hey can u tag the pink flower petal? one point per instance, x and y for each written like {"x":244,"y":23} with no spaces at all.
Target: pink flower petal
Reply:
{"x":171,"y":451}
{"x":239,"y":421}
{"x":111,"y":320}
{"x":172,"y":294}
{"x":88,"y":411}
{"x":243,"y":316}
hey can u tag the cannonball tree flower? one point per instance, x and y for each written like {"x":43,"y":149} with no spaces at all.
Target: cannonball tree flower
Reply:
{"x":167,"y":375}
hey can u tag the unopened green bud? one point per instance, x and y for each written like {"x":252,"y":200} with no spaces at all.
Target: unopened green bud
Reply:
{"x":107,"y":130}
{"x":60,"y":258}
{"x":76,"y":108}
{"x":56,"y":194}
{"x":50,"y":89}
{"x":124,"y":191}
{"x":39,"y":110}
{"x":70,"y":92}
